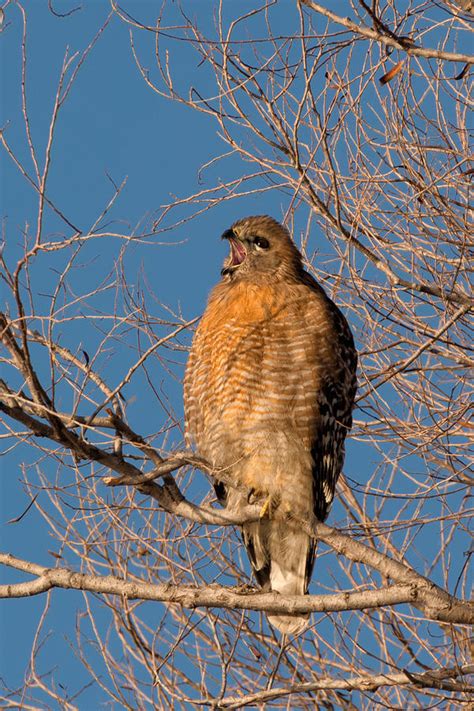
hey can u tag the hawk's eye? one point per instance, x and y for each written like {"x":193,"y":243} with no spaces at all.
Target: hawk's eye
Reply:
{"x":261,"y":243}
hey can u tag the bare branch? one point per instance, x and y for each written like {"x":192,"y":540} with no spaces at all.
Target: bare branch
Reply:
{"x":402,"y":43}
{"x":428,"y":679}
{"x":212,"y":596}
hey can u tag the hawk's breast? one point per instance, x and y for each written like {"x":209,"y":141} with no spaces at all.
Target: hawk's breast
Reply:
{"x":253,"y":375}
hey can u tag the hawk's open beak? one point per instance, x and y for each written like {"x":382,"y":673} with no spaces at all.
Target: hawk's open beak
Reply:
{"x":237,"y":249}
{"x":237,"y":252}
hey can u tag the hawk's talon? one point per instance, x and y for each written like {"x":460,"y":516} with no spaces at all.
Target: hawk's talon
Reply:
{"x":265,"y":507}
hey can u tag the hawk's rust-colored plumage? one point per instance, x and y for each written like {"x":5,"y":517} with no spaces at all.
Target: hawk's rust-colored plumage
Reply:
{"x":269,"y":391}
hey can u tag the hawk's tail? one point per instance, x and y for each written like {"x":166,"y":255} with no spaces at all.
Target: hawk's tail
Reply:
{"x":282,"y":559}
{"x":289,"y":624}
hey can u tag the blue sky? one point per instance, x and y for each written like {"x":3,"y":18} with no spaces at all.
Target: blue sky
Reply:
{"x":112,"y":128}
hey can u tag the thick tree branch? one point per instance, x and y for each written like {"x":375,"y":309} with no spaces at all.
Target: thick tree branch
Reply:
{"x":217,"y":596}
{"x":210,"y":596}
{"x":437,"y":603}
{"x":73,"y":442}
{"x":18,"y":407}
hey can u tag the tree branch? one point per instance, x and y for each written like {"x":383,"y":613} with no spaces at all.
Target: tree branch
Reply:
{"x":214,"y":595}
{"x":402,"y":43}
{"x":191,"y":597}
{"x":433,"y":678}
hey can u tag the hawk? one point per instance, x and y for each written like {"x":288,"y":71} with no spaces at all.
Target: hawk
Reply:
{"x":268,"y":394}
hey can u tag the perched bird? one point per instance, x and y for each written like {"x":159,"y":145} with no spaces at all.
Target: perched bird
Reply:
{"x":268,"y":392}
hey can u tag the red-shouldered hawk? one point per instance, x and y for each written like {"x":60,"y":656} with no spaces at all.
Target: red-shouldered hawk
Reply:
{"x":269,"y":391}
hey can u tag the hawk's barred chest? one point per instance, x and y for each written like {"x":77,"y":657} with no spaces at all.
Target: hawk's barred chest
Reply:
{"x":260,"y":357}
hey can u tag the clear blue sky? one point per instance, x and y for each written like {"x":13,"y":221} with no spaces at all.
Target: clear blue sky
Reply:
{"x":112,"y":127}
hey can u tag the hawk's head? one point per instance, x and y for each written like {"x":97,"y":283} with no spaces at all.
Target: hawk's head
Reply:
{"x":259,"y":245}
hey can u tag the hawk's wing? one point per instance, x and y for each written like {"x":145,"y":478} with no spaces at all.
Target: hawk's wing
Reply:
{"x":335,"y":400}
